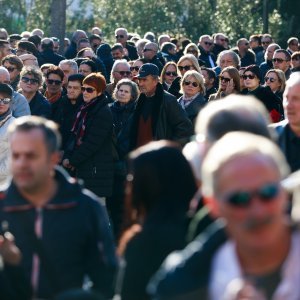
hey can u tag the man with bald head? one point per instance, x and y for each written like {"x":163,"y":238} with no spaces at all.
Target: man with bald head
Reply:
{"x":19,"y":104}
{"x":150,"y":55}
{"x":121,"y":35}
{"x":48,"y":56}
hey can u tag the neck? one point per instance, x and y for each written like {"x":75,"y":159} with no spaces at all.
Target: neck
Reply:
{"x":28,"y":96}
{"x":253,"y":89}
{"x":295,"y":129}
{"x":263,"y":261}
{"x":41,"y":195}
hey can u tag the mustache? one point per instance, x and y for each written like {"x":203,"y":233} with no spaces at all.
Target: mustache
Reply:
{"x":252,"y":224}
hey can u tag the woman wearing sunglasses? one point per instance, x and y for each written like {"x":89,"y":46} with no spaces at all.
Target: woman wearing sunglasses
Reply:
{"x":193,"y":90}
{"x":229,"y":83}
{"x":136,"y":66}
{"x":275,"y":79}
{"x":89,"y":153}
{"x":186,"y":63}
{"x":29,"y":86}
{"x":168,"y":75}
{"x":273,"y":104}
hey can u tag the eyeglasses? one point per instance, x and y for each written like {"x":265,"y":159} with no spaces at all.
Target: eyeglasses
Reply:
{"x":191,"y":51}
{"x":171,"y":74}
{"x":248,"y":76}
{"x":269,"y":78}
{"x":134,"y":68}
{"x":52,"y":81}
{"x":186,"y":68}
{"x":266,"y":43}
{"x":124,"y":73}
{"x":279,"y":60}
{"x":88,"y":89}
{"x":208,"y":43}
{"x":224,"y":79}
{"x":5,"y":100}
{"x":10,"y":69}
{"x":222,"y":40}
{"x":29,"y":80}
{"x":121,"y":36}
{"x":265,"y":193}
{"x":246,"y":44}
{"x":194,"y":84}
{"x":146,"y":50}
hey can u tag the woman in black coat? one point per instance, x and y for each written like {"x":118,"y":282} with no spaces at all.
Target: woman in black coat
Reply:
{"x":90,"y":148}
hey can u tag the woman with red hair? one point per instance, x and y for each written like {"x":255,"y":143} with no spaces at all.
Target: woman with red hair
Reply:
{"x":89,"y":153}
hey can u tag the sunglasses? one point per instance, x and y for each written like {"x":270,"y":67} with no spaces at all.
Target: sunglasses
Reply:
{"x":224,"y":79}
{"x":266,"y":194}
{"x":124,"y":73}
{"x":186,"y":68}
{"x":121,"y":36}
{"x":266,"y":43}
{"x":248,"y":76}
{"x":134,"y":68}
{"x":29,"y":80}
{"x":194,"y":84}
{"x":88,"y":89}
{"x":269,"y":79}
{"x":171,"y":74}
{"x":296,"y":58}
{"x":10,"y":69}
{"x":56,"y":82}
{"x":191,"y":51}
{"x":146,"y":50}
{"x":279,"y":60}
{"x":5,"y":100}
{"x":208,"y":43}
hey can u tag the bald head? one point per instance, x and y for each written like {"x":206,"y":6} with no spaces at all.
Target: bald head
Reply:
{"x":4,"y":75}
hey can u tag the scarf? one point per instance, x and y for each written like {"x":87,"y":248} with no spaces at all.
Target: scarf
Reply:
{"x":54,"y":98}
{"x":5,"y":117}
{"x":79,"y":125}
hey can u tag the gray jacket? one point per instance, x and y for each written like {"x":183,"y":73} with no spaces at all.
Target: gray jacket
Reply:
{"x":19,"y":105}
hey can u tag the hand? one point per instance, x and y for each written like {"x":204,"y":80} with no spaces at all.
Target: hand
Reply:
{"x":8,"y":249}
{"x":230,"y":87}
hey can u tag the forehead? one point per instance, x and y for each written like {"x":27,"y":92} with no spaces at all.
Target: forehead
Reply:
{"x":54,"y":76}
{"x":226,"y":57}
{"x":65,"y":67}
{"x":84,"y":67}
{"x":279,"y":55}
{"x":74,"y":83}
{"x":124,"y":87}
{"x":138,"y":63}
{"x":121,"y":31}
{"x":185,"y":62}
{"x":293,"y":90}
{"x":122,"y":67}
{"x":4,"y":95}
{"x":4,"y":77}
{"x":246,"y":172}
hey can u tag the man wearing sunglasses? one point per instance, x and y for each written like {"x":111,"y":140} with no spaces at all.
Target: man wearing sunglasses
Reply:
{"x":282,"y":61}
{"x":205,"y":45}
{"x":121,"y":35}
{"x":257,"y":253}
{"x":246,"y":55}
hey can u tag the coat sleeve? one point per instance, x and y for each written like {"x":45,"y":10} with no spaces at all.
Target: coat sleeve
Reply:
{"x":101,"y":261}
{"x":20,"y":106}
{"x":98,"y":132}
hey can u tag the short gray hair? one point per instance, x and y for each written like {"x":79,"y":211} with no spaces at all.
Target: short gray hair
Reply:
{"x":115,"y":66}
{"x":71,"y":63}
{"x":235,"y":57}
{"x":134,"y":88}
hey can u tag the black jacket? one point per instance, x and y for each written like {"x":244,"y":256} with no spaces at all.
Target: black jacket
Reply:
{"x":50,"y":57}
{"x":93,"y":159}
{"x":76,"y":238}
{"x":169,"y":120}
{"x":40,"y":106}
{"x":132,"y":52}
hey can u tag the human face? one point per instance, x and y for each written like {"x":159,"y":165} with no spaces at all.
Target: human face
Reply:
{"x":185,"y":66}
{"x":4,"y":78}
{"x":67,"y":72}
{"x":29,"y":87}
{"x":84,"y":69}
{"x":83,"y":45}
{"x":244,"y":45}
{"x":122,"y":71}
{"x":265,"y":42}
{"x":296,"y":61}
{"x":224,"y":80}
{"x":206,"y":43}
{"x":73,"y":90}
{"x":121,"y":37}
{"x":258,"y":225}
{"x":4,"y":107}
{"x":95,"y":44}
{"x":250,"y":83}
{"x":88,"y":97}
{"x":241,"y":73}
{"x":273,"y":81}
{"x":280,"y":62}
{"x":189,"y":90}
{"x":170,"y":74}
{"x":149,"y":52}
{"x":291,"y":104}
{"x":147,"y":85}
{"x":135,"y":68}
{"x":117,"y":54}
{"x":221,"y":40}
{"x":88,"y":54}
{"x":226,"y":61}
{"x":6,"y":50}
{"x":124,"y":94}
{"x":31,"y":162}
{"x":12,"y":69}
{"x":55,"y":87}
{"x":270,"y":52}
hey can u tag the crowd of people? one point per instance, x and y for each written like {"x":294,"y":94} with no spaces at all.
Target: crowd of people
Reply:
{"x":153,"y":168}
